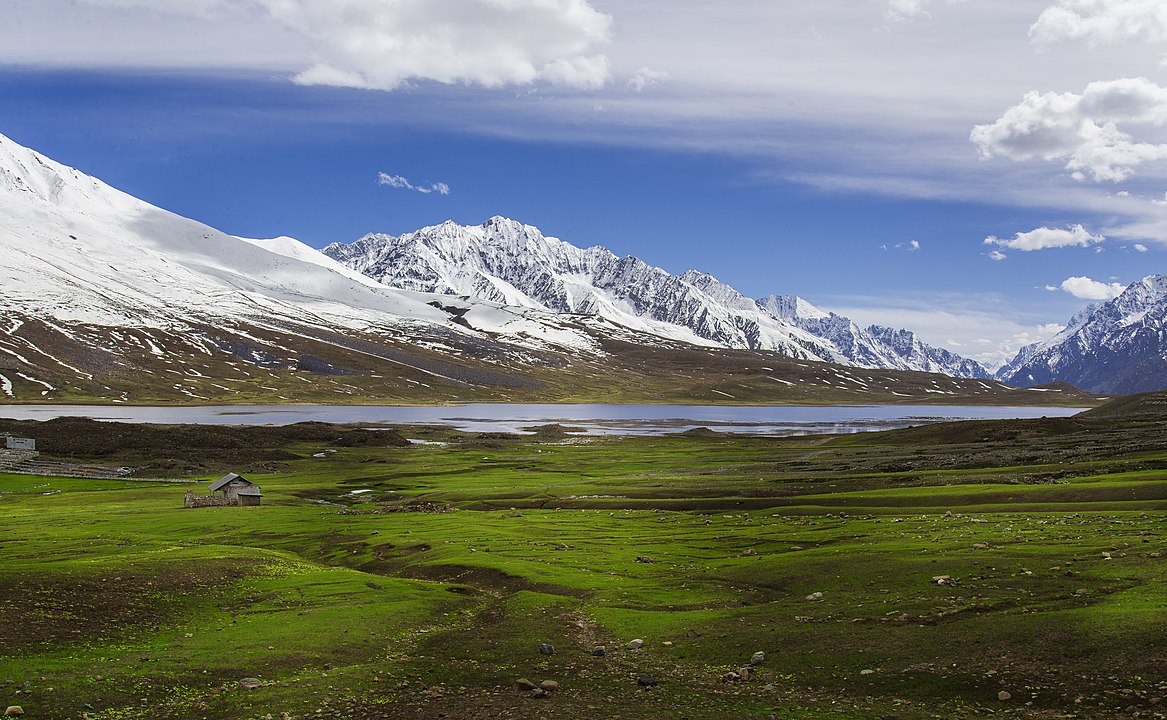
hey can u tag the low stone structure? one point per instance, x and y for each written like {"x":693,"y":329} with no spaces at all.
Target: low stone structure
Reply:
{"x":235,"y":490}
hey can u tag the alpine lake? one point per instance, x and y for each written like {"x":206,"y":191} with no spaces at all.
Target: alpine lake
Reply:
{"x":1002,"y":566}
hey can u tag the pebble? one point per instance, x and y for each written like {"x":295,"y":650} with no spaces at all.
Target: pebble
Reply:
{"x":667,"y":643}
{"x":636,"y":644}
{"x":644,"y":559}
{"x":525,"y":685}
{"x":546,"y":649}
{"x":250,"y":683}
{"x":744,"y":674}
{"x":866,"y":672}
{"x":758,"y":658}
{"x":600,"y":651}
{"x":646,"y":681}
{"x":549,"y":686}
{"x":13,"y":711}
{"x":1003,"y":696}
{"x":539,"y":693}
{"x":815,"y":596}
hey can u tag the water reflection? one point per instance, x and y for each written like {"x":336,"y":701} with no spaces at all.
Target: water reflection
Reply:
{"x":595,"y":419}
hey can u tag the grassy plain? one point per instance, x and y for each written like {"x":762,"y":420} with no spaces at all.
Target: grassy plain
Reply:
{"x":955,"y":563}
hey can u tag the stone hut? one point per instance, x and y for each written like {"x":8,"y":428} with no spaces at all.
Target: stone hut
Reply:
{"x":234,"y":489}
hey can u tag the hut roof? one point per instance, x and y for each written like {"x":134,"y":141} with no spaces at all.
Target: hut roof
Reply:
{"x":226,"y":479}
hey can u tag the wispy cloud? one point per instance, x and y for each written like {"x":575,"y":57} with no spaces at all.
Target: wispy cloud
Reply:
{"x":907,"y":246}
{"x":1088,"y":289}
{"x":399,"y":182}
{"x":1044,"y":238}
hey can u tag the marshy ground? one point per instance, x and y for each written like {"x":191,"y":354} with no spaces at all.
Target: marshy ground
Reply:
{"x":970,"y":570}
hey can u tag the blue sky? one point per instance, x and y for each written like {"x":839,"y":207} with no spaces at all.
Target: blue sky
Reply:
{"x":974,"y":170}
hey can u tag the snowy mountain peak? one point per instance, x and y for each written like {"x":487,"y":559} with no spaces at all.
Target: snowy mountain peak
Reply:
{"x":791,"y":307}
{"x":1117,"y":346}
{"x":505,"y":261}
{"x":28,"y":175}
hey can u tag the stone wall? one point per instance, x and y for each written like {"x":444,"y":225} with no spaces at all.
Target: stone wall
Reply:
{"x":201,"y":501}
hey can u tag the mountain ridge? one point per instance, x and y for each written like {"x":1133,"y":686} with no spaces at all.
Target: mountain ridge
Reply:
{"x":1119,"y":346}
{"x":504,"y":260}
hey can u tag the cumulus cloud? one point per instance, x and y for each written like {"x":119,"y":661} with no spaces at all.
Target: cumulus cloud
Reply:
{"x":1088,"y":289}
{"x":1140,"y":247}
{"x":399,"y":182}
{"x":1044,"y":238}
{"x":1081,"y":129}
{"x":909,"y":246}
{"x":1102,"y":22}
{"x":383,"y":44}
{"x":997,"y":256}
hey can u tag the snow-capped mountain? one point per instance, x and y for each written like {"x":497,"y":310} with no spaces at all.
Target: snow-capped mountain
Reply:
{"x":1115,"y":347}
{"x":874,"y":345}
{"x":86,"y":267}
{"x":509,"y":262}
{"x":104,"y":297}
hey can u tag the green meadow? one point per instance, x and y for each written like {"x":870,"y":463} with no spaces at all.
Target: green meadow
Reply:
{"x":987,"y":569}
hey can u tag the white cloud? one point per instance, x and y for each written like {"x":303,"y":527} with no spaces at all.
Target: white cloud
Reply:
{"x":1044,"y":238}
{"x":1081,"y":129}
{"x":909,"y":246}
{"x":384,"y":44}
{"x":1102,"y":22}
{"x":997,"y":256}
{"x":906,"y":9}
{"x":645,"y":78}
{"x":1140,"y":247}
{"x":381,"y":44}
{"x":399,"y":182}
{"x":1088,"y":289}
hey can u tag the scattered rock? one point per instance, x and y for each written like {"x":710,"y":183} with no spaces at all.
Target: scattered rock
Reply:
{"x":539,"y":693}
{"x":815,"y":596}
{"x":758,"y":658}
{"x":667,"y":643}
{"x":866,"y":672}
{"x":731,"y":677}
{"x":750,"y":552}
{"x":744,"y":674}
{"x":646,"y":681}
{"x":549,"y":686}
{"x":644,"y":559}
{"x":600,"y":651}
{"x":1003,"y":696}
{"x":942,"y":579}
{"x":525,"y":685}
{"x":546,"y":649}
{"x":636,"y":644}
{"x":980,"y":546}
{"x":693,"y":634}
{"x":13,"y":711}
{"x":250,"y":683}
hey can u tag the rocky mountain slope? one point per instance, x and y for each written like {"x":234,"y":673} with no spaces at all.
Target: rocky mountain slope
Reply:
{"x":106,"y":298}
{"x":506,"y":261}
{"x":1115,"y":347}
